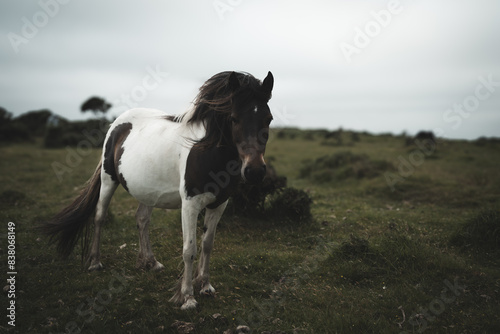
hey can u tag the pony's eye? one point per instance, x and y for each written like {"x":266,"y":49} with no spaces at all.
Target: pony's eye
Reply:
{"x":234,"y":120}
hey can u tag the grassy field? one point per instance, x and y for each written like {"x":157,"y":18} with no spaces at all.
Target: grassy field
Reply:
{"x":404,"y":238}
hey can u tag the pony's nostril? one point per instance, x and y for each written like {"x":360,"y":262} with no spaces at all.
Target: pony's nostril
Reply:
{"x":255,"y":175}
{"x":247,"y":172}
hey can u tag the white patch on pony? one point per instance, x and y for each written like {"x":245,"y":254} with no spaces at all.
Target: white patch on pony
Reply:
{"x":255,"y":109}
{"x":144,"y":155}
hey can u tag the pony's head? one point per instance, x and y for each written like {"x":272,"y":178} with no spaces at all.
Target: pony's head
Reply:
{"x":250,"y":119}
{"x":233,"y":107}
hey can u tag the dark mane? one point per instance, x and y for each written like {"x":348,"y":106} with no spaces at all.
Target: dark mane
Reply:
{"x":213,"y":105}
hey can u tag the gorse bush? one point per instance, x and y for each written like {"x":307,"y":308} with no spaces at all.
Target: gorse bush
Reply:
{"x":272,"y":199}
{"x":251,"y":198}
{"x":35,"y":121}
{"x":487,"y":141}
{"x":343,"y":165}
{"x":292,"y":204}
{"x":91,"y":132}
{"x":56,"y":131}
{"x":24,"y":127}
{"x":14,"y":132}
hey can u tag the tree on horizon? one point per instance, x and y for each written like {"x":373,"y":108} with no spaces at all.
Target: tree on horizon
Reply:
{"x":96,"y":105}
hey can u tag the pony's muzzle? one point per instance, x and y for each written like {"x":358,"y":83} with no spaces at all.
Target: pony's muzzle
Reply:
{"x":253,"y":169}
{"x":255,"y":174}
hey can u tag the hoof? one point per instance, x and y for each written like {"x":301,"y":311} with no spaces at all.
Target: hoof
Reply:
{"x":207,"y":290}
{"x":96,"y":267}
{"x":152,"y":264}
{"x":158,"y":267}
{"x":189,"y":304}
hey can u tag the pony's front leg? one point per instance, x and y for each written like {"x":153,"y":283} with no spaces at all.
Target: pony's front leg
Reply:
{"x":184,"y":294}
{"x":212,"y":217}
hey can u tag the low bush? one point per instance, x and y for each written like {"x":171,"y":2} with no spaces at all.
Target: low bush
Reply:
{"x":91,"y":132}
{"x":291,"y":204}
{"x":343,"y":165}
{"x":13,"y":132}
{"x":487,"y":141}
{"x":271,"y":199}
{"x":35,"y":121}
{"x":251,"y":198}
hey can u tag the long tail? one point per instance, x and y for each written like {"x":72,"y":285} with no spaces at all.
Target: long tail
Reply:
{"x":68,"y":226}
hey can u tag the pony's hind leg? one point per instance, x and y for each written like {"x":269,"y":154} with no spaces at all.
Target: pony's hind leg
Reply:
{"x":108,"y":187}
{"x":146,"y":259}
{"x":202,"y":280}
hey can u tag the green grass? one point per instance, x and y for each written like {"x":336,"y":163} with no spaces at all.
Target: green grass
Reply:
{"x":369,"y":254}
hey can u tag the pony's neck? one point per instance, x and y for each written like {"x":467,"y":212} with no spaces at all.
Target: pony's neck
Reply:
{"x":216,"y":124}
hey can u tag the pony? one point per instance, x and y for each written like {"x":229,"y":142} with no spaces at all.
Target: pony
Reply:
{"x":190,"y":162}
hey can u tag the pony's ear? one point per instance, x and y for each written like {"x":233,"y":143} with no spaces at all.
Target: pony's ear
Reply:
{"x":232,"y":82}
{"x":267,"y":85}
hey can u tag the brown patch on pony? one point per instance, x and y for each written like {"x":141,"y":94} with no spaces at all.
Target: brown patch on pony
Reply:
{"x":123,"y":181}
{"x":114,"y":150}
{"x":215,"y":170}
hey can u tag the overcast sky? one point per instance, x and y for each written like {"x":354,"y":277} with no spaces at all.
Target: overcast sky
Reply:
{"x":379,"y":66}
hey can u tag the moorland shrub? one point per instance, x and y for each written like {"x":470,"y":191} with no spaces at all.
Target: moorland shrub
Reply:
{"x":12,"y":132}
{"x":272,"y":199}
{"x":35,"y":121}
{"x":92,"y":131}
{"x":24,"y":127}
{"x":251,"y":198}
{"x":487,"y":141}
{"x":290,"y":204}
{"x":423,"y":137}
{"x":343,"y":165}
